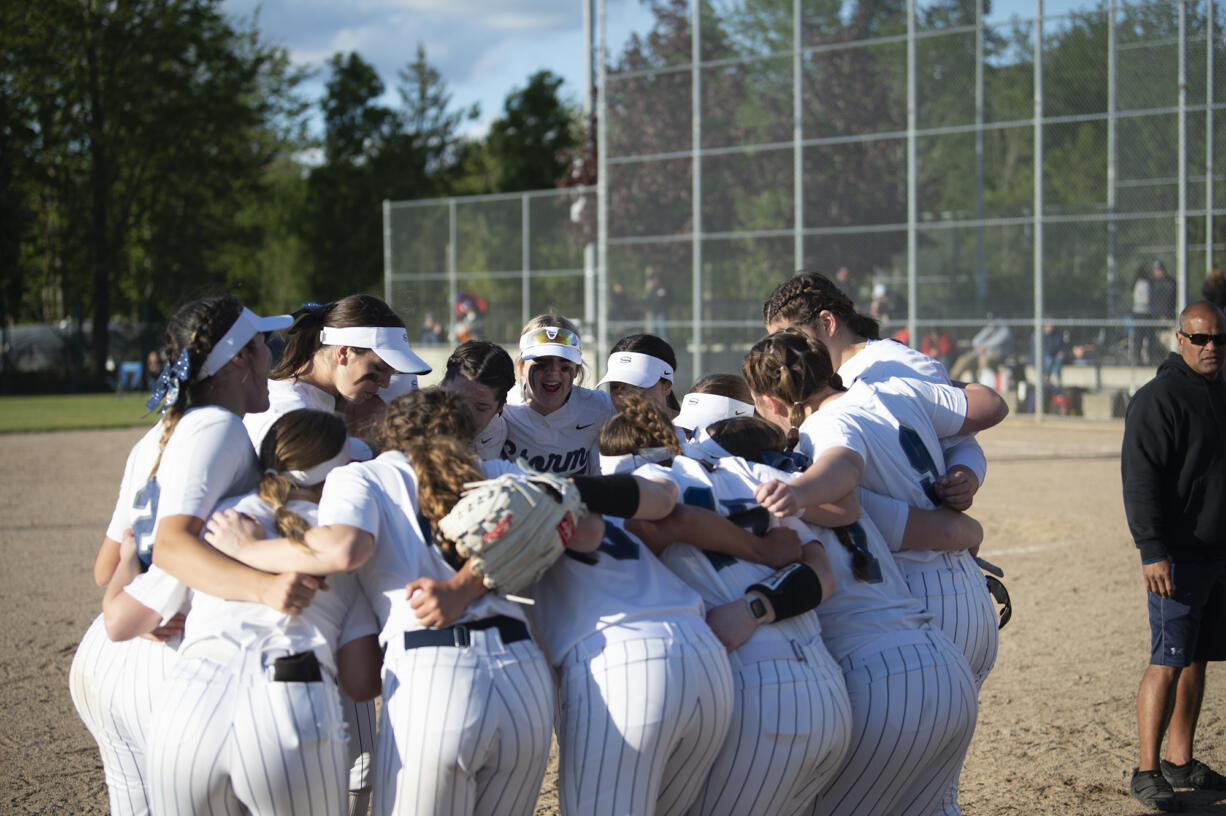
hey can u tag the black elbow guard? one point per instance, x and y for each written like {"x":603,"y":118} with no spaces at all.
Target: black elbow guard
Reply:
{"x":792,"y":591}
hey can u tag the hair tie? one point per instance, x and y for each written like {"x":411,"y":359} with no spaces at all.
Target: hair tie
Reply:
{"x":312,"y":308}
{"x":167,"y":386}
{"x":271,"y":472}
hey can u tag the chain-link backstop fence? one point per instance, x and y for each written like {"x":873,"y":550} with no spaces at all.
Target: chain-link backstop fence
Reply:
{"x":951,"y":162}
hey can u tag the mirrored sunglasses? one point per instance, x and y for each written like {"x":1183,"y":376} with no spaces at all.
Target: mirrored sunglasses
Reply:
{"x":561,"y":337}
{"x":1219,"y":340}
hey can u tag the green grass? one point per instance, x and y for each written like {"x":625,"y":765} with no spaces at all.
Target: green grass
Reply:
{"x":62,"y":412}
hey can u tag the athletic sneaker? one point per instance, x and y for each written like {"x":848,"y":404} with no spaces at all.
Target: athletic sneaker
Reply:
{"x":1151,"y":789}
{"x":1195,"y":774}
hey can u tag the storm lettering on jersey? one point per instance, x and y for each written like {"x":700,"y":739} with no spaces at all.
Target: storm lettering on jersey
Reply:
{"x":573,"y":461}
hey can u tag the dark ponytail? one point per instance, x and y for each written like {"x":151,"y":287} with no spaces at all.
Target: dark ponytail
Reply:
{"x":799,"y":301}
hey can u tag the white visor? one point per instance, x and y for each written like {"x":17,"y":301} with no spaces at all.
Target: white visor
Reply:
{"x":551,"y":341}
{"x":391,"y":343}
{"x":399,"y":384}
{"x":355,"y":450}
{"x":247,"y":325}
{"x":701,"y":410}
{"x":633,"y":368}
{"x":630,"y":462}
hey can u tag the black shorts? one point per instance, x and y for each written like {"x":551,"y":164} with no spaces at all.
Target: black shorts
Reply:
{"x":1191,"y":626}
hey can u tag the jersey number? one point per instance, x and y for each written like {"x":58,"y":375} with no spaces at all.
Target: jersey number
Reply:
{"x":146,"y":505}
{"x":921,"y":460}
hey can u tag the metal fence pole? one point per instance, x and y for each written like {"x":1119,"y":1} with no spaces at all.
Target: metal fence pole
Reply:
{"x":981,"y":272}
{"x":1181,"y":215}
{"x":798,"y":135}
{"x":451,"y":261}
{"x":912,"y":169}
{"x":1037,"y":339}
{"x":387,"y":251}
{"x":1208,"y":137}
{"x":1112,"y":227}
{"x":602,"y":185}
{"x":525,"y":259}
{"x":696,"y":180}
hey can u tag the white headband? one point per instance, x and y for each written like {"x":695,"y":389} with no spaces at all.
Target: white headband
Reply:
{"x":390,"y":343}
{"x":635,"y":368}
{"x":698,"y":410}
{"x":247,"y":325}
{"x":354,"y":450}
{"x":630,"y":462}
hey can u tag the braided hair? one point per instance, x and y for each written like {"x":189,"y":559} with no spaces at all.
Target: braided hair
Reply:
{"x":639,"y":424}
{"x":434,"y":428}
{"x":195,"y":328}
{"x":799,"y":300}
{"x":793,"y":368}
{"x":298,"y":440}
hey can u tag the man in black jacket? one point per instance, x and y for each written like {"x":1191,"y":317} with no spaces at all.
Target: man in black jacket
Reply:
{"x":1174,"y":469}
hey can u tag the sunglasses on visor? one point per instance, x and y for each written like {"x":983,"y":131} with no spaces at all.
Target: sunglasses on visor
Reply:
{"x":559,"y":336}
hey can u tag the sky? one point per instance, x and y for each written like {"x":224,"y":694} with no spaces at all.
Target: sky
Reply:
{"x":484,"y":49}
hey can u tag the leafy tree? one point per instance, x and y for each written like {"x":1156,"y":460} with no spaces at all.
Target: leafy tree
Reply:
{"x":530,"y":145}
{"x":143,"y":122}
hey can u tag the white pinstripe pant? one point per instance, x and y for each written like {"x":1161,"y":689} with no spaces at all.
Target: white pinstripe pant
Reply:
{"x":114,"y":686}
{"x":913,"y":708}
{"x":464,"y":730}
{"x":791,"y":725}
{"x":227,"y":739}
{"x":642,"y":719}
{"x":955,"y":593}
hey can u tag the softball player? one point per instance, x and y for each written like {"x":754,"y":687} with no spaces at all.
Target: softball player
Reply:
{"x":645,"y":364}
{"x":482,"y":373}
{"x":791,"y":717}
{"x":713,"y":398}
{"x":645,"y":687}
{"x":347,"y":350}
{"x":551,"y":422}
{"x":251,"y":714}
{"x":467,"y":708}
{"x":217,"y":364}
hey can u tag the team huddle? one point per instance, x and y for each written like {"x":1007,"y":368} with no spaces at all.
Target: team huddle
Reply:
{"x":762,"y":598}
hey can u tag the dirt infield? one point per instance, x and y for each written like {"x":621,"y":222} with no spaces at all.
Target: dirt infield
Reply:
{"x":1057,"y":728}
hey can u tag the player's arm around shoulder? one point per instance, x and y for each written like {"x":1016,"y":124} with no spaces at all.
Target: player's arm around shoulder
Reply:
{"x":124,"y":616}
{"x":984,"y":408}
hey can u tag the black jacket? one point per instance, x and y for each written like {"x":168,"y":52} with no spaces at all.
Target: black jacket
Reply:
{"x":1174,"y":465}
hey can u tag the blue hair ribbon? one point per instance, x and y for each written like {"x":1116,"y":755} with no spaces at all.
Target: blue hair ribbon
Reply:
{"x":169,"y":381}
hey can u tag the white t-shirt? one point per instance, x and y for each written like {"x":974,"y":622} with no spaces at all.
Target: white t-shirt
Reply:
{"x":880,"y":360}
{"x":380,"y":497}
{"x":621,"y":582}
{"x":896,"y":427}
{"x":564,"y":442}
{"x":207,"y":458}
{"x":332,"y":619}
{"x":285,"y":396}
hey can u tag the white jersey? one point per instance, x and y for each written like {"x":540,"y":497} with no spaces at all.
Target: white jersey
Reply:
{"x":206,"y":459}
{"x":380,"y":497}
{"x":619,"y":583}
{"x":563,"y":442}
{"x":490,"y":439}
{"x":895,"y":427}
{"x":332,"y":619}
{"x":719,"y":578}
{"x":880,"y":360}
{"x":285,"y":396}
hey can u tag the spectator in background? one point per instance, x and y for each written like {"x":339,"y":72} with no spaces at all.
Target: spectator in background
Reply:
{"x":1162,"y":294}
{"x":1142,"y":309}
{"x":431,"y":331}
{"x":886,"y":306}
{"x":939,"y":345}
{"x":989,"y":348}
{"x":1214,"y":289}
{"x":1055,"y":350}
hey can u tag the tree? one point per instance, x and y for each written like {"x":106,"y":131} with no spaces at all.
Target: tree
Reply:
{"x":530,"y":145}
{"x":143,"y":120}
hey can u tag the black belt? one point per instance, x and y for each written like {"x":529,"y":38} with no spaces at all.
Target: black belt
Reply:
{"x":512,"y":630}
{"x":297,"y":668}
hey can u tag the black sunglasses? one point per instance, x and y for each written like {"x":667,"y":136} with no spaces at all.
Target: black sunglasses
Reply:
{"x":1001,"y":596}
{"x":1219,"y":340}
